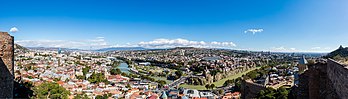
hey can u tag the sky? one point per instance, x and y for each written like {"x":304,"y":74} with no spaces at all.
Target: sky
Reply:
{"x":256,"y":25}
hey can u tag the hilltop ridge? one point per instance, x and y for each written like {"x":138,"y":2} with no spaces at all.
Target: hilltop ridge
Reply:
{"x":340,"y":52}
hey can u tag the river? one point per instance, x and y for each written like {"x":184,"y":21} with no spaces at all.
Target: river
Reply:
{"x":123,"y":67}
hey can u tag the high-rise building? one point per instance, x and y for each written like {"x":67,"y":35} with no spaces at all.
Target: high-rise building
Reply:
{"x":6,"y":65}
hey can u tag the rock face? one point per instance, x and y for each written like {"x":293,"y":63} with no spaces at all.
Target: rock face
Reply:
{"x":6,"y":65}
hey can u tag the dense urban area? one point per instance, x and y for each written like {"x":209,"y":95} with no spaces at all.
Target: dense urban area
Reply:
{"x":182,"y":72}
{"x":173,"y":49}
{"x":196,"y":73}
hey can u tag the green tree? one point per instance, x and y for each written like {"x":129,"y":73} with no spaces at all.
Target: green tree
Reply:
{"x":128,"y":86}
{"x":97,"y":78}
{"x":221,"y":91}
{"x":178,"y":74}
{"x":161,"y":83}
{"x":214,"y":72}
{"x":85,"y":70}
{"x":102,"y":96}
{"x":207,"y":86}
{"x":212,"y":86}
{"x":228,"y":82}
{"x":115,"y":71}
{"x":282,"y":93}
{"x":50,"y":90}
{"x":271,"y":93}
{"x":81,"y":96}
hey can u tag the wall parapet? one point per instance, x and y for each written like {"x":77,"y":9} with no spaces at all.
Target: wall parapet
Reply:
{"x":338,"y":74}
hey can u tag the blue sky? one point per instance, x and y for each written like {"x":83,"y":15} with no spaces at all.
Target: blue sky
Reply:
{"x":279,"y":25}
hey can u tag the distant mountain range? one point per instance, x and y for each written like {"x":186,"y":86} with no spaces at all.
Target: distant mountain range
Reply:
{"x":75,"y":49}
{"x":120,"y":49}
{"x":53,"y":48}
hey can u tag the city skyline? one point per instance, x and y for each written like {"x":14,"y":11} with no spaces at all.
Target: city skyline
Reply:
{"x":272,"y":25}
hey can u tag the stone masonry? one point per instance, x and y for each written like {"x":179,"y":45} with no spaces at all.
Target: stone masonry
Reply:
{"x":324,"y":81}
{"x":6,"y":65}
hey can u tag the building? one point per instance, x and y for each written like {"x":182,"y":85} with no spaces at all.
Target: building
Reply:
{"x":6,"y":65}
{"x":191,"y":93}
{"x":302,"y":65}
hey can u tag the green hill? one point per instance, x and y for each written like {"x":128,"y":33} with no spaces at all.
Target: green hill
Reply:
{"x":17,"y":46}
{"x":341,"y":52}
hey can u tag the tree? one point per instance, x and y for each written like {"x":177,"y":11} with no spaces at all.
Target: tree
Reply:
{"x":161,"y":83}
{"x":212,"y":86}
{"x":282,"y":93}
{"x":214,"y":72}
{"x":207,"y":86}
{"x":128,"y":86}
{"x":105,"y":96}
{"x":81,"y":96}
{"x":97,"y":78}
{"x":178,"y":74}
{"x":228,"y":82}
{"x":271,"y":93}
{"x":81,"y":77}
{"x":50,"y":90}
{"x":268,"y":93}
{"x":115,"y":71}
{"x":221,"y":91}
{"x":85,"y":70}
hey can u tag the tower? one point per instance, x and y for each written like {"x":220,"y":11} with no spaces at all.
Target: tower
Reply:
{"x":6,"y":65}
{"x":59,"y":56}
{"x":302,"y":64}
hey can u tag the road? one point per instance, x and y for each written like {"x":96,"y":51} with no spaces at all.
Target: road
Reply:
{"x":180,"y":80}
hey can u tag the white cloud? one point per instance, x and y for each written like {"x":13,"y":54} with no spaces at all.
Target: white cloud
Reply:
{"x":13,"y":30}
{"x":96,"y":43}
{"x":283,"y":49}
{"x":100,"y":42}
{"x":170,"y":43}
{"x":320,"y":48}
{"x":254,"y":31}
{"x":313,"y":49}
{"x":316,"y":48}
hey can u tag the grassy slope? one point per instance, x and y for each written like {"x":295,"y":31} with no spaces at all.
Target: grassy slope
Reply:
{"x":162,"y":78}
{"x":218,"y":83}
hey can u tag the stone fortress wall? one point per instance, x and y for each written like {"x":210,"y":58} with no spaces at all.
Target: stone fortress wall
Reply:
{"x":324,"y":81}
{"x":338,"y":74}
{"x":249,"y":89}
{"x":6,"y":65}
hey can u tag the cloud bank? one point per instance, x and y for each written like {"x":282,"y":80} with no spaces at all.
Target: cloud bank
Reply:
{"x":171,"y":43}
{"x":100,"y":42}
{"x":13,"y":30}
{"x":96,"y":43}
{"x":313,"y":49}
{"x":254,"y":31}
{"x":283,"y":49}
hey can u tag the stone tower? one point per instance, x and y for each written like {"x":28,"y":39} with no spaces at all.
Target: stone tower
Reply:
{"x":6,"y":65}
{"x":302,"y":64}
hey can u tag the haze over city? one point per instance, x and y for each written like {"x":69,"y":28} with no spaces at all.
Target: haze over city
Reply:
{"x":267,"y":25}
